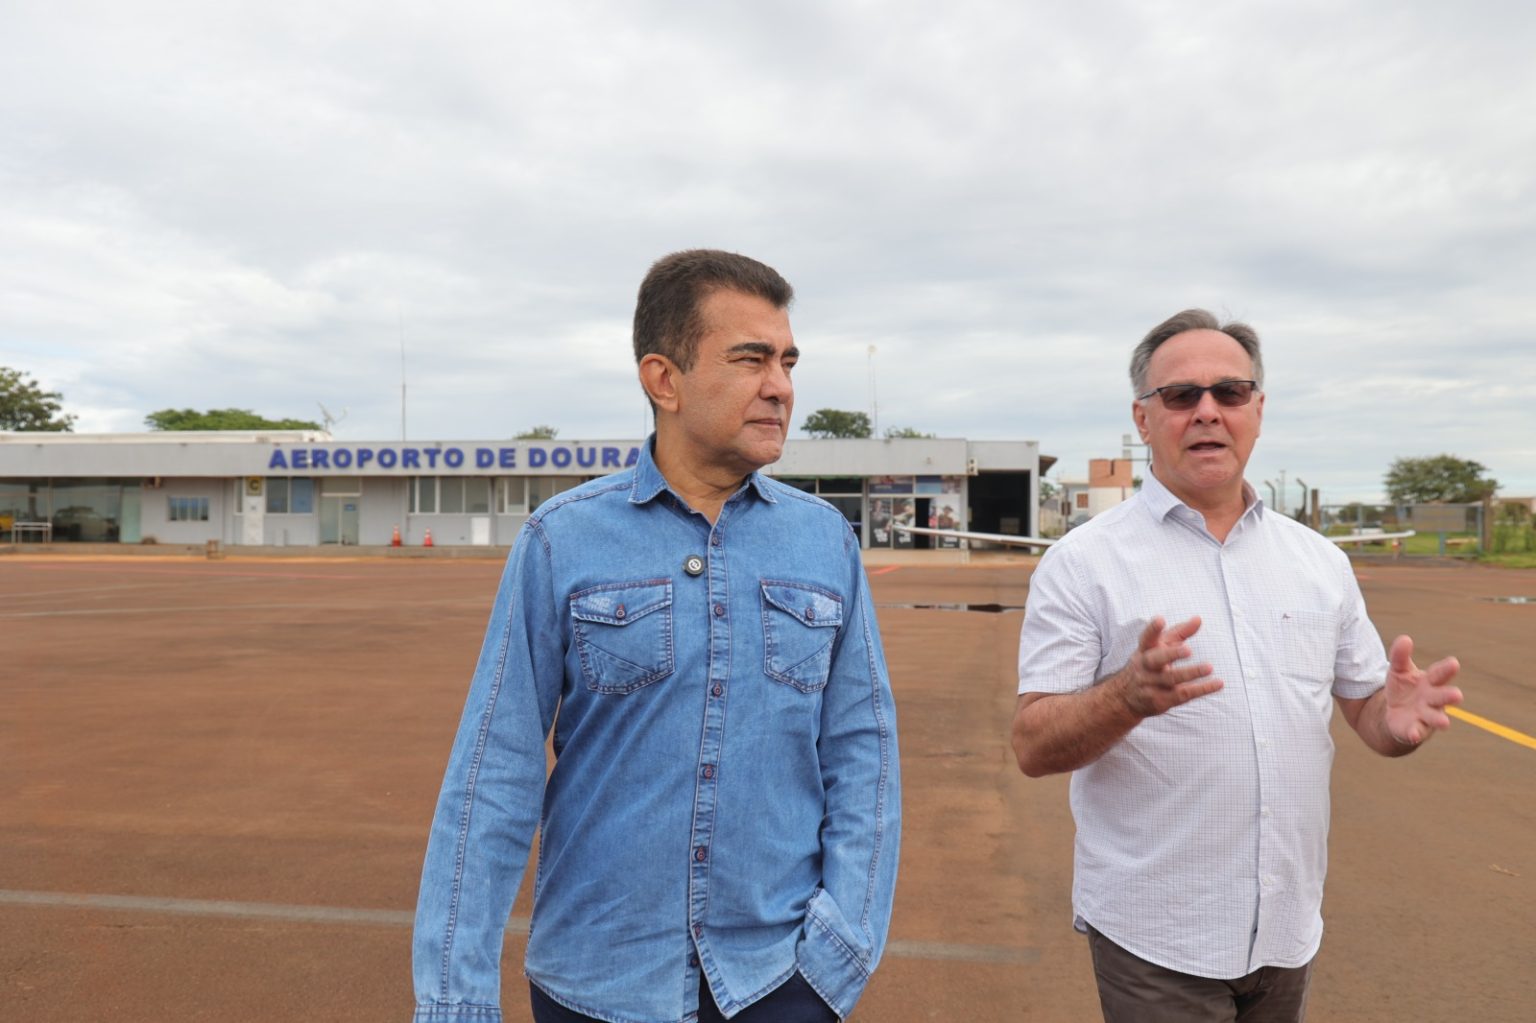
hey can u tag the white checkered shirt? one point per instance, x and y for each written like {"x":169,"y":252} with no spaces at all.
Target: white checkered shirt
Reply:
{"x":1202,"y":836}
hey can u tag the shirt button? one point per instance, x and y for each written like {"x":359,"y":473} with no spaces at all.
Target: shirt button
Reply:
{"x":693,"y":960}
{"x":698,"y":930}
{"x":709,"y":770}
{"x":719,"y":610}
{"x":1264,"y":811}
{"x":718,"y":689}
{"x":714,"y":541}
{"x":810,"y":614}
{"x":700,"y":853}
{"x":618,"y":612}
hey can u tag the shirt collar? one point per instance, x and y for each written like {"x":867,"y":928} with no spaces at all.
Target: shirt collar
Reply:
{"x":649,"y":481}
{"x":1160,"y":500}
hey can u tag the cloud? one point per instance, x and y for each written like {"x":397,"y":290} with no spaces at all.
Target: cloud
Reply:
{"x":229,"y":204}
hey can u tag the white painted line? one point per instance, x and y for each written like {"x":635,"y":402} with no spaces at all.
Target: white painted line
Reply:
{"x":898,"y":949}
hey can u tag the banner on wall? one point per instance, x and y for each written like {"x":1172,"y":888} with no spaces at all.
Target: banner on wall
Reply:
{"x":944,"y":508}
{"x":903,"y":513}
{"x":890,"y":484}
{"x":880,"y":522}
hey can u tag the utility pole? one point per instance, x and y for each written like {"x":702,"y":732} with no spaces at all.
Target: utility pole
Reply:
{"x":1128,"y":446}
{"x":1277,"y":494}
{"x":874,"y":401}
{"x":401,"y":322}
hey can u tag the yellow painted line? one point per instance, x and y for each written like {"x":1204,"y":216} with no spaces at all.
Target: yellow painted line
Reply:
{"x":1492,"y":726}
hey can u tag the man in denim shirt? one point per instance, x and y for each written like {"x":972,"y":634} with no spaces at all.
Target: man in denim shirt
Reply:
{"x":719,"y":830}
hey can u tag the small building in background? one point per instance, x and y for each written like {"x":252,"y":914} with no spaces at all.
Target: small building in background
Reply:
{"x":1110,"y":481}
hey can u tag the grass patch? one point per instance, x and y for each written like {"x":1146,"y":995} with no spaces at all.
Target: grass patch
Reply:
{"x":1509,"y":560}
{"x":1457,"y":545}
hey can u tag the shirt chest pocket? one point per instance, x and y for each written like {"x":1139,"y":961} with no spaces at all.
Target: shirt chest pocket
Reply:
{"x":1305,"y":645}
{"x":799,"y":625}
{"x":623,"y":634}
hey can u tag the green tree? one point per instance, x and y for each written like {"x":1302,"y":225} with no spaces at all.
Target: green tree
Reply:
{"x":831,"y":422}
{"x":907,"y":433}
{"x":1438,"y":478}
{"x":540,"y":432}
{"x":221,"y":419}
{"x":26,"y":406}
{"x":1514,"y":511}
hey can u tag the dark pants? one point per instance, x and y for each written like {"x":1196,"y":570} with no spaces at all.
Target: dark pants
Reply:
{"x":793,"y":1001}
{"x":1132,"y":990}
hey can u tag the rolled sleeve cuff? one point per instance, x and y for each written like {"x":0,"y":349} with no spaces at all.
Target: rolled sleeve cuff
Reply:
{"x":1350,"y":690}
{"x":832,"y":969}
{"x":456,"y":1014}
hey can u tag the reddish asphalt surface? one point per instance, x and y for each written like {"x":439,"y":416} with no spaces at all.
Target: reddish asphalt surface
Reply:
{"x":243,"y":755}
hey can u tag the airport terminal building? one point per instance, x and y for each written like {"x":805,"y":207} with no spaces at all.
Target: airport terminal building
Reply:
{"x":305,"y":488}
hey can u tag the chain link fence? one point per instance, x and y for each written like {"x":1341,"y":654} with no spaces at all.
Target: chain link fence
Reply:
{"x":1441,"y":530}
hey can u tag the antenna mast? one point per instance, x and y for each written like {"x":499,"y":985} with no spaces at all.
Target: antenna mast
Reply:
{"x":328,"y":419}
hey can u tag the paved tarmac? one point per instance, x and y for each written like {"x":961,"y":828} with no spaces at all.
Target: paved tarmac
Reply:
{"x":216,"y":779}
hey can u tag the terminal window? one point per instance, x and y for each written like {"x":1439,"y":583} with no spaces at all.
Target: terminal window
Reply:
{"x":188,"y":509}
{"x":450,"y":495}
{"x":290,"y":496}
{"x":520,"y":495}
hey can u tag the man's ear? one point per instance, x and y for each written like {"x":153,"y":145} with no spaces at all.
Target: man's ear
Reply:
{"x":658,"y":375}
{"x":1139,"y":415}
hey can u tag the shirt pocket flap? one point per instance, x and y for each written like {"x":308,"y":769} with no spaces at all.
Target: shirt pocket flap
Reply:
{"x":621,"y":603}
{"x":810,"y":607}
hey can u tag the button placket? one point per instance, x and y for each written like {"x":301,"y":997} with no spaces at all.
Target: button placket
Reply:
{"x":717,"y":597}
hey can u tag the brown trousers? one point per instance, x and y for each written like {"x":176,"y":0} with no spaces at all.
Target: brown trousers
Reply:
{"x":1132,"y":990}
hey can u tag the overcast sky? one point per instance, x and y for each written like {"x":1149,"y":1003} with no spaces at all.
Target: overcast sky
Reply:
{"x":254,"y":205}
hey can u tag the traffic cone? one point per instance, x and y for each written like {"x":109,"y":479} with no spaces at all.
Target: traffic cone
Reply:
{"x":428,"y":541}
{"x":394,"y":541}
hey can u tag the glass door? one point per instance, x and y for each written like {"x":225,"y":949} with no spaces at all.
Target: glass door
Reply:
{"x":340,"y":501}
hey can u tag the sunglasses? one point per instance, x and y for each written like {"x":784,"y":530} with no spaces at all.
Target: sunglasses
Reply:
{"x":1183,"y":397}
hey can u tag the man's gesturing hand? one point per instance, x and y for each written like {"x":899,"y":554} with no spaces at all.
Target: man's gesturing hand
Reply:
{"x":1153,"y":681}
{"x":1417,"y":697}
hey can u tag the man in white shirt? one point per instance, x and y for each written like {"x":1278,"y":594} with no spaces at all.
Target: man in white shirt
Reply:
{"x":1200,"y":749}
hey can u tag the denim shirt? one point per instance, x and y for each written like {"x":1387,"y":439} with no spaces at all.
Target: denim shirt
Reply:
{"x":725,"y":797}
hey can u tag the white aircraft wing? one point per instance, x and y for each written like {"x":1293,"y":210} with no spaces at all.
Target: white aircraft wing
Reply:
{"x":1035,"y":541}
{"x":959,"y":534}
{"x":1371,"y":537}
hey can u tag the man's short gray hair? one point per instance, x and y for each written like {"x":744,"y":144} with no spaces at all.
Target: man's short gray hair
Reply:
{"x":1192,"y":319}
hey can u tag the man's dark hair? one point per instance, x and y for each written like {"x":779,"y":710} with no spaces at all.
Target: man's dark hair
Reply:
{"x":1192,"y":319}
{"x":667,"y":319}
